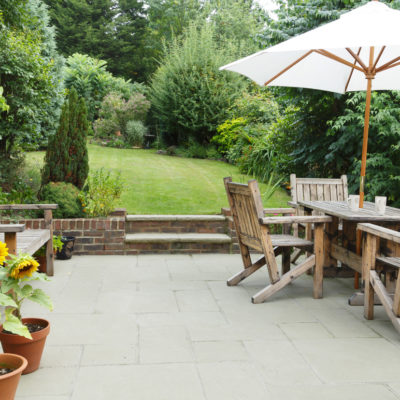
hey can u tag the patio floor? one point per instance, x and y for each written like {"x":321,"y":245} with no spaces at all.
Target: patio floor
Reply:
{"x":167,"y":327}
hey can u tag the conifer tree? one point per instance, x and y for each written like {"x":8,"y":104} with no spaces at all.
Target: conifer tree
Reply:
{"x":66,"y":157}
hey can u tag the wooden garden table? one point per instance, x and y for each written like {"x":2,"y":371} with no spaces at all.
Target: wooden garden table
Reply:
{"x":344,"y":246}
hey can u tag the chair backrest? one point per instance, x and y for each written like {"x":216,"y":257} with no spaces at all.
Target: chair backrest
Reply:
{"x":246,"y":207}
{"x":318,"y":189}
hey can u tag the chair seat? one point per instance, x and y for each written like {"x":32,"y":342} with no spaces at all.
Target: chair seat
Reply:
{"x":289,"y":241}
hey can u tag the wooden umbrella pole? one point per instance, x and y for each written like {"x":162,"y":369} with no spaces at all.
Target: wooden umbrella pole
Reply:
{"x":369,"y":75}
{"x":365,"y":141}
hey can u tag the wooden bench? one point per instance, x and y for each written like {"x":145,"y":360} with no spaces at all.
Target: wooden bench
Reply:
{"x":21,"y":240}
{"x":381,"y":272}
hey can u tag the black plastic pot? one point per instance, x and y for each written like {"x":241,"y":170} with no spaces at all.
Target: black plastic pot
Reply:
{"x":68,"y":247}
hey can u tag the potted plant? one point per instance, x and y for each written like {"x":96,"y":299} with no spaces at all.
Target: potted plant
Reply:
{"x":23,"y":336}
{"x":40,"y":255}
{"x":67,"y":247}
{"x":11,"y":367}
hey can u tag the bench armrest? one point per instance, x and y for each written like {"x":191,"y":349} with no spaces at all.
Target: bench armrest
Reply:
{"x":12,"y":228}
{"x":295,"y":219}
{"x":380,"y":231}
{"x":28,"y":206}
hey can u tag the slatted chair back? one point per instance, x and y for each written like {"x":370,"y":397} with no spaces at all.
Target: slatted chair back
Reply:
{"x":316,"y":189}
{"x":246,"y":207}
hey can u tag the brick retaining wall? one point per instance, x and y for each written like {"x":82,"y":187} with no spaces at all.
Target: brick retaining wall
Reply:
{"x":106,"y":236}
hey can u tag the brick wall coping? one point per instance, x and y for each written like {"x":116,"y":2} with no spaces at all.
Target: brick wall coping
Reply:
{"x":175,"y":218}
{"x":177,"y":237}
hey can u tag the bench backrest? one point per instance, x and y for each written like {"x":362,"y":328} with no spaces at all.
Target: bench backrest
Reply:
{"x":315,"y":189}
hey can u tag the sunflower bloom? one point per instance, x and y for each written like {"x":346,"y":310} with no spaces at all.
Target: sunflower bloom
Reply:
{"x":25,"y":268}
{"x":3,"y":252}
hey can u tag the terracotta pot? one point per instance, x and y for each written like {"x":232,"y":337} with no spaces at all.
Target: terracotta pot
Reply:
{"x":9,"y":382}
{"x":30,"y":349}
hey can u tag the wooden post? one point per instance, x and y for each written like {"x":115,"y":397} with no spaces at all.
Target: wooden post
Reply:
{"x":331,"y":237}
{"x":11,"y":241}
{"x":319,"y":260}
{"x":48,"y":221}
{"x":368,"y":264}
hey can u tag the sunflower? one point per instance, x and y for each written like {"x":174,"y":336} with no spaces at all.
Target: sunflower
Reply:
{"x":24,"y":268}
{"x":3,"y":252}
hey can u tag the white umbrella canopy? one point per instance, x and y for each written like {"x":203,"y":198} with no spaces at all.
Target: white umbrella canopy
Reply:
{"x":359,"y":51}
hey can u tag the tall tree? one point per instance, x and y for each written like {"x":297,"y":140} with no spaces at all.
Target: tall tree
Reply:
{"x":111,"y":30}
{"x":66,"y":157}
{"x":28,"y":78}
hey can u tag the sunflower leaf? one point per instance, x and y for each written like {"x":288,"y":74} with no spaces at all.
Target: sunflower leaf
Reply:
{"x":9,"y":284}
{"x":26,"y":290}
{"x":15,"y":325}
{"x":7,"y":301}
{"x":42,"y":298}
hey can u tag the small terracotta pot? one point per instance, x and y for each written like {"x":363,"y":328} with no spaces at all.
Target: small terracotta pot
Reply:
{"x":30,"y":349}
{"x":9,"y":382}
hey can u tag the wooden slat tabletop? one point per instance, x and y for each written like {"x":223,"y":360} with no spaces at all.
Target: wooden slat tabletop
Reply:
{"x":30,"y":240}
{"x":341,"y":210}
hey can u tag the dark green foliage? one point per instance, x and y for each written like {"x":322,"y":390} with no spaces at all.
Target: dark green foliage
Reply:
{"x":320,"y":133}
{"x":66,"y":157}
{"x":92,"y":81}
{"x":383,"y":159}
{"x":106,"y":29}
{"x":29,"y":80}
{"x":189,"y":96}
{"x":66,"y":196}
{"x":248,"y":139}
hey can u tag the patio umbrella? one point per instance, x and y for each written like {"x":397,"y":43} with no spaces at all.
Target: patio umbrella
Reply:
{"x":359,"y":51}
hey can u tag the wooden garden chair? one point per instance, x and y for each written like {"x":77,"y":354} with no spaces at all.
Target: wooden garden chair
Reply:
{"x":314,"y":189}
{"x":381,"y":270}
{"x":254,"y":233}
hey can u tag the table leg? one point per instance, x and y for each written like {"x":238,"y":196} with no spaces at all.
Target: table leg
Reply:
{"x":331,"y":237}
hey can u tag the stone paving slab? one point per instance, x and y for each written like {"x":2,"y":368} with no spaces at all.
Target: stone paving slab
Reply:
{"x":166,"y":327}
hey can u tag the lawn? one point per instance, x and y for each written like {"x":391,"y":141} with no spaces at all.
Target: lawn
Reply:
{"x":159,"y":184}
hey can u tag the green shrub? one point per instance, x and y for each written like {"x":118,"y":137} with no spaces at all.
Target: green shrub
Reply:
{"x":90,"y":78}
{"x":135,"y":132}
{"x":228,"y":134}
{"x":115,"y":113}
{"x":104,"y":128}
{"x":66,"y":196}
{"x":100,"y":193}
{"x":190,"y":97}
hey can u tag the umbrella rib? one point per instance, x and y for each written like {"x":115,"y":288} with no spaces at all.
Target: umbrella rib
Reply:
{"x":378,"y":58}
{"x":351,"y":72}
{"x":387,"y":65}
{"x":339,"y":59}
{"x":392,"y":66}
{"x":357,"y":58}
{"x":288,"y":67}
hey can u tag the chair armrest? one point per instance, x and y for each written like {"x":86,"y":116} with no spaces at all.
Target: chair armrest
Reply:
{"x":295,"y":219}
{"x":279,"y":211}
{"x":293,"y":204}
{"x":380,"y":231}
{"x":28,"y":206}
{"x":12,"y":228}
